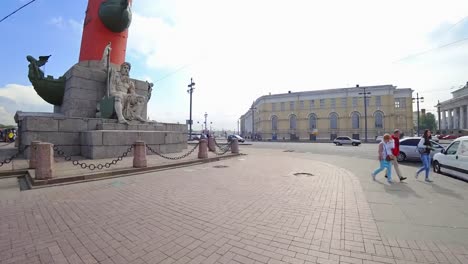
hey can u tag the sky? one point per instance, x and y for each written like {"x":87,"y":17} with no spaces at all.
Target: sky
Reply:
{"x":237,"y":51}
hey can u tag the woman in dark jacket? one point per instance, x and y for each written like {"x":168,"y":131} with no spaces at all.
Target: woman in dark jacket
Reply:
{"x":425,"y":147}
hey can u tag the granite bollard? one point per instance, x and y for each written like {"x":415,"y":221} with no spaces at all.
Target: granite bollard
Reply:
{"x":235,"y":146}
{"x":203,"y":149}
{"x":44,"y":161}
{"x":139,"y":155}
{"x":211,"y":144}
{"x":33,"y":154}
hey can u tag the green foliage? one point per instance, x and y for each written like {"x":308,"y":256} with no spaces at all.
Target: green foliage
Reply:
{"x":6,"y":126}
{"x":428,"y":121}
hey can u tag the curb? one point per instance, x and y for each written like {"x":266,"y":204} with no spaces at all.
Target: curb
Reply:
{"x":36,"y":184}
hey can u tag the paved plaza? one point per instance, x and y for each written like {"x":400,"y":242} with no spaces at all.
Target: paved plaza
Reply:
{"x":249,"y":209}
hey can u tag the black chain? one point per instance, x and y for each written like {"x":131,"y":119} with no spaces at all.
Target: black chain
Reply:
{"x":92,"y":166}
{"x":223,"y":150}
{"x":14,"y":156}
{"x":173,"y":158}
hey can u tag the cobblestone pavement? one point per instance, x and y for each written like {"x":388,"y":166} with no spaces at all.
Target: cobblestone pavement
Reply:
{"x":253,"y":211}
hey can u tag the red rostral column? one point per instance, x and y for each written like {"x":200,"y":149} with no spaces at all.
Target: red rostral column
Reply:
{"x":105,"y":23}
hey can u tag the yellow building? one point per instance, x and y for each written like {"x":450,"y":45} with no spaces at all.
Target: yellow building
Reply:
{"x":326,"y":114}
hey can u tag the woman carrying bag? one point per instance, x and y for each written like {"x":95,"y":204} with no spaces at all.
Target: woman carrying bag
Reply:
{"x":385,"y":158}
{"x":424,"y":148}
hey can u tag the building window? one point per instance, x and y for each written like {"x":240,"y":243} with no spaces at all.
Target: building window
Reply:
{"x":355,"y":101}
{"x":333,"y":102}
{"x":273,"y":107}
{"x":291,"y":106}
{"x":400,"y":103}
{"x":312,"y":104}
{"x":292,"y":122}
{"x":378,"y":101}
{"x":301,"y":104}
{"x":378,"y":119}
{"x":322,"y":103}
{"x":312,"y":122}
{"x":344,"y":102}
{"x":333,"y":121}
{"x":355,"y":120}
{"x":274,"y":123}
{"x":282,"y":106}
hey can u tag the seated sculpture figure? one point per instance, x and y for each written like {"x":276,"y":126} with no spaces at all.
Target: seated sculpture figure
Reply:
{"x":127,"y":103}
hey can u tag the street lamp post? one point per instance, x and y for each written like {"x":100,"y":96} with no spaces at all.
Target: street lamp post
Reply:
{"x":190,"y":91}
{"x":365,"y":110}
{"x":417,"y":104}
{"x":206,"y":116}
{"x":253,"y":120}
{"x":438,"y":116}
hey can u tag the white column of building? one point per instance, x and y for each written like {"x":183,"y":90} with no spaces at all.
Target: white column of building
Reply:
{"x":450,"y":119}
{"x":456,"y":117}
{"x":443,"y":120}
{"x":462,"y":118}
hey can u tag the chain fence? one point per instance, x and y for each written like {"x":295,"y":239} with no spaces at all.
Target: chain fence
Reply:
{"x":92,"y":166}
{"x":14,"y":156}
{"x":223,"y":150}
{"x":173,"y":158}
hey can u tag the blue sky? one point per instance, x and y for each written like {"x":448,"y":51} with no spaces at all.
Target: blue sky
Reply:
{"x":238,"y":51}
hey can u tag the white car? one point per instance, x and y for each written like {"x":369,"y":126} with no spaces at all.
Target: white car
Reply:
{"x":346,"y":140}
{"x":409,"y":149}
{"x":454,"y":159}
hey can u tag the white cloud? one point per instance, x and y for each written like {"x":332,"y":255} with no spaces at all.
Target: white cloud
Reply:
{"x":66,"y":24}
{"x":240,"y":50}
{"x":15,"y":97}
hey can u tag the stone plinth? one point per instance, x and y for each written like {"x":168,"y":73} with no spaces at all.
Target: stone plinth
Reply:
{"x":97,"y":138}
{"x":33,"y":154}
{"x":101,"y":144}
{"x":203,"y":149}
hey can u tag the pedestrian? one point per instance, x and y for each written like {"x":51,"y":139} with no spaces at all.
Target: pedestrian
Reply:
{"x":396,"y":152}
{"x":424,"y":148}
{"x":385,"y":157}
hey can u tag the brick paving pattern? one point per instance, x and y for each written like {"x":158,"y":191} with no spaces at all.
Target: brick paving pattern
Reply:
{"x":254,"y":211}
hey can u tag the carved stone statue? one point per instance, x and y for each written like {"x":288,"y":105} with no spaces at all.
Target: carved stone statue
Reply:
{"x":128,"y":105}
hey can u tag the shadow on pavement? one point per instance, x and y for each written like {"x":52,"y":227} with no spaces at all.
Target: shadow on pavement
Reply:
{"x":400,"y":189}
{"x":444,"y":191}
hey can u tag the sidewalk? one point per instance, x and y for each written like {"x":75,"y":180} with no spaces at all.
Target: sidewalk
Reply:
{"x":266,"y":207}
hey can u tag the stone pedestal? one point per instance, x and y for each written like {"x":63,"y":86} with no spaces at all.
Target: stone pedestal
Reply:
{"x":44,"y":161}
{"x":33,"y":154}
{"x":235,"y":146}
{"x":97,"y":138}
{"x":203,"y":149}
{"x":211,"y":144}
{"x":139,"y":156}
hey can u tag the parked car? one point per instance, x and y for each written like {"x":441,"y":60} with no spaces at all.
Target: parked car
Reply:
{"x":449,"y":137}
{"x":239,"y":138}
{"x":453,"y":160}
{"x":346,"y":141}
{"x":409,"y":149}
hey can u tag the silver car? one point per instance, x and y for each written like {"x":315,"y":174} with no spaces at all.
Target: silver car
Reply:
{"x":346,"y":140}
{"x":409,"y":149}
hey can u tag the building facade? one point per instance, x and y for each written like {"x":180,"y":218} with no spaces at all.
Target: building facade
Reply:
{"x":325,"y":114}
{"x":453,"y":112}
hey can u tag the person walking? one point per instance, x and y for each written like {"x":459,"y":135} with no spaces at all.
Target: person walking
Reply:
{"x":424,"y":148}
{"x":396,"y":152}
{"x":385,"y":157}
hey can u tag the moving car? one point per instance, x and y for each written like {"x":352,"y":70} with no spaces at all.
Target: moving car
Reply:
{"x":239,"y":138}
{"x":346,"y":140}
{"x":453,"y":160}
{"x":409,"y":149}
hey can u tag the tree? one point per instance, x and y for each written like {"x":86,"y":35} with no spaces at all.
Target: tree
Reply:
{"x":428,"y":121}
